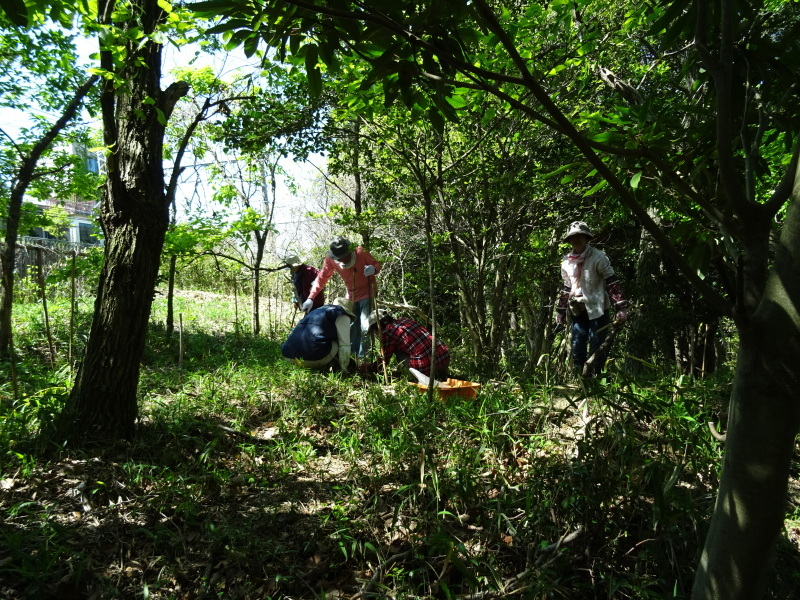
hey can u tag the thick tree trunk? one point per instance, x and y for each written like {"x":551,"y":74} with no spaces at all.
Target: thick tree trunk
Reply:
{"x":134,"y":215}
{"x":763,"y":422}
{"x":103,"y":402}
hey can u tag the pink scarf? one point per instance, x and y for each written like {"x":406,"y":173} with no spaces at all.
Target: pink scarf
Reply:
{"x":576,"y":260}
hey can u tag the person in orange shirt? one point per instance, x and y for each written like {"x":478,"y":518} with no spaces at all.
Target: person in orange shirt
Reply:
{"x":358,"y":269}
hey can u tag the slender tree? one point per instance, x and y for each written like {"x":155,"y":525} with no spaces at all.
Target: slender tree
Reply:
{"x":27,"y":54}
{"x":25,"y":174}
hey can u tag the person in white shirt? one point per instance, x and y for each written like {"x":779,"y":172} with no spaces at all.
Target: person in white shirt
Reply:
{"x":591,"y":289}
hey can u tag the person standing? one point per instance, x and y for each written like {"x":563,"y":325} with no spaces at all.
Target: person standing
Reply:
{"x":357,"y":268}
{"x":303,"y":276}
{"x":591,"y":289}
{"x":411,"y":343}
{"x":322,"y":336}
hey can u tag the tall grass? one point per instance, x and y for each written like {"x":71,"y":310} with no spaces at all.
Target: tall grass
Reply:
{"x":252,"y":478}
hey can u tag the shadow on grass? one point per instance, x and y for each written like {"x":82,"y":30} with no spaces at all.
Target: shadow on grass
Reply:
{"x":206,"y":352}
{"x":498,"y":504}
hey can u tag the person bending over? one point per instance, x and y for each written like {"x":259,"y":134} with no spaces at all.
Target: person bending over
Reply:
{"x":322,"y":336}
{"x":410,"y":342}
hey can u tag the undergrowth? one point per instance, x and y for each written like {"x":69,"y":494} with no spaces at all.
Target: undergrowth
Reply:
{"x":251,"y":478}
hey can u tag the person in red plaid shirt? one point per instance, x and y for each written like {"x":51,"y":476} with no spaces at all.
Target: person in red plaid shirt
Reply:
{"x":410,"y":342}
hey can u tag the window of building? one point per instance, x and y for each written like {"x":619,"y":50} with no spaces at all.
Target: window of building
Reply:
{"x":85,"y":233}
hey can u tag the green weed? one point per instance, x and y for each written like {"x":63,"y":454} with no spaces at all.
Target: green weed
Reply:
{"x":251,"y":477}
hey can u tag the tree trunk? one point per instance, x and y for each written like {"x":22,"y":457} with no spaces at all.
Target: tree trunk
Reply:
{"x":102,"y":405}
{"x":103,"y":402}
{"x":648,"y":327}
{"x":261,"y":242}
{"x":763,"y":421}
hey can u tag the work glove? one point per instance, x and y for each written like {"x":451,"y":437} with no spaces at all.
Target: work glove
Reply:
{"x":561,"y":318}
{"x":621,"y":316}
{"x":307,"y":305}
{"x":344,"y":356}
{"x":369,"y":270}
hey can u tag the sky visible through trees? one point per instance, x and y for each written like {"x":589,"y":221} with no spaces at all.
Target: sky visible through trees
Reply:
{"x":291,"y":220}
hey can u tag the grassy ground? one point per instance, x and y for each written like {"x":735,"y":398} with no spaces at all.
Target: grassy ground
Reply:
{"x":251,"y":478}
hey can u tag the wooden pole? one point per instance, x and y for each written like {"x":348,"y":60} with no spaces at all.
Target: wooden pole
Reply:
{"x":374,"y":282}
{"x":71,"y":312}
{"x":40,"y":267}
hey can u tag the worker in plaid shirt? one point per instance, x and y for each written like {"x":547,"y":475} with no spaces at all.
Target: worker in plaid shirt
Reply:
{"x":410,"y":342}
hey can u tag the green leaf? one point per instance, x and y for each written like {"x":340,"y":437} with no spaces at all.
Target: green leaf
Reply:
{"x":606,"y":136}
{"x":560,"y":170}
{"x":16,"y":11}
{"x":570,"y":177}
{"x":221,"y":28}
{"x":436,"y":119}
{"x":635,"y":180}
{"x":596,"y":188}
{"x":312,"y":70}
{"x":457,"y":101}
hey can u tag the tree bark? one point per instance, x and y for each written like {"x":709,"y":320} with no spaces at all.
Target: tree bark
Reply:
{"x":648,"y":327}
{"x":103,"y":405}
{"x":261,"y":242}
{"x":763,"y":422}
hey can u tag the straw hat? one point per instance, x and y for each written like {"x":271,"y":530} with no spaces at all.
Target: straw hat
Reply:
{"x":348,"y":306}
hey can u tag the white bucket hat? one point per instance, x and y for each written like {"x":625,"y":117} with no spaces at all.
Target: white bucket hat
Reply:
{"x":377,"y":315}
{"x":578,"y":227}
{"x":292,"y":260}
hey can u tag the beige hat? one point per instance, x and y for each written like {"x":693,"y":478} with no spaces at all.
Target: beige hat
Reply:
{"x":292,"y":260}
{"x":578,"y":227}
{"x":348,"y":306}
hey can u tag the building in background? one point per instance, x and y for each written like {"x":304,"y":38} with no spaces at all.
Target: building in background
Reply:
{"x":82,"y":226}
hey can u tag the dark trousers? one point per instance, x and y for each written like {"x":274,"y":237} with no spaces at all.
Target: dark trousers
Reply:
{"x":584,"y":330}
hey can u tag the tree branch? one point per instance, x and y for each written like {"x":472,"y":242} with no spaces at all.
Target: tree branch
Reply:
{"x":625,"y":196}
